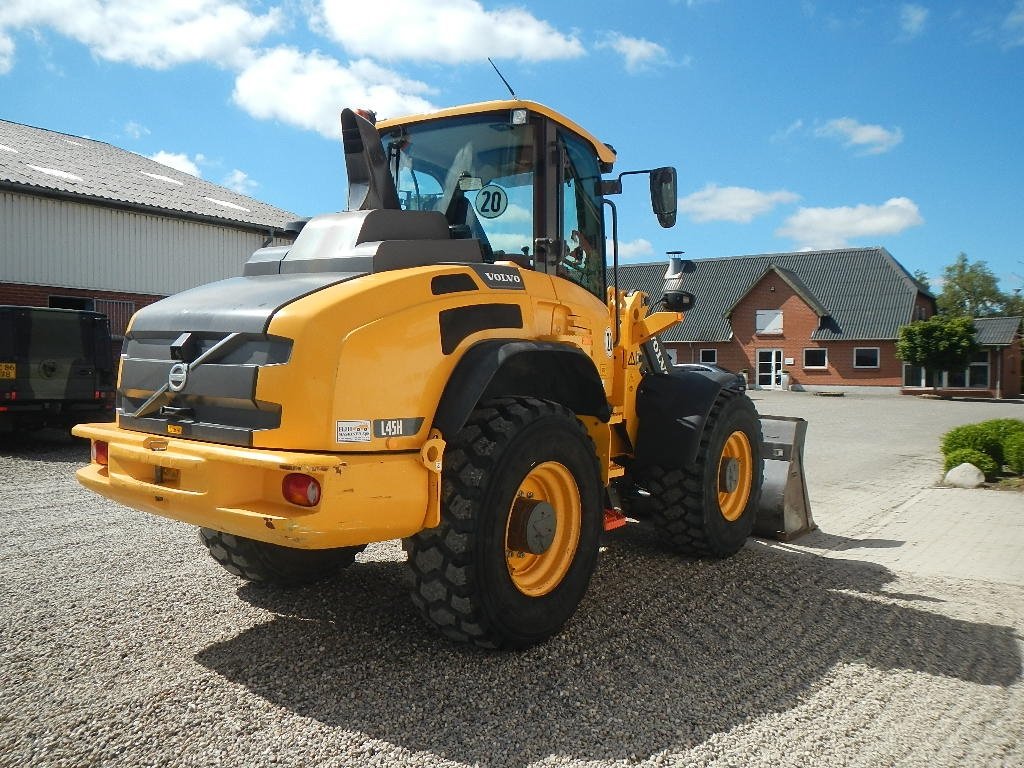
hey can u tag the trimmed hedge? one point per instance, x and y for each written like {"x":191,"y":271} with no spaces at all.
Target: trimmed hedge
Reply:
{"x":978,"y":437}
{"x":982,"y":461}
{"x":1001,"y":441}
{"x":1013,"y":447}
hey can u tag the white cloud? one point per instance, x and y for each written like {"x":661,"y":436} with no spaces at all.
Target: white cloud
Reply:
{"x":6,"y":53}
{"x":240,"y":182}
{"x":630,"y":250}
{"x":638,"y":54}
{"x":739,"y":204}
{"x":794,"y":127}
{"x":148,"y":33}
{"x":135,"y":130}
{"x":873,"y":139}
{"x":310,"y":90}
{"x":814,"y":228}
{"x":448,"y":32}
{"x":912,"y":20}
{"x":179,"y":161}
{"x":1013,"y":26}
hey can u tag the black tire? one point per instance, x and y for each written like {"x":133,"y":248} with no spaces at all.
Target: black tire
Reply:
{"x":469,"y":580}
{"x":270,"y":564}
{"x":689,"y":506}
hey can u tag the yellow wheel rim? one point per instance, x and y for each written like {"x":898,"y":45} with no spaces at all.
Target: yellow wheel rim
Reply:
{"x":735,"y":476}
{"x":539,"y":574}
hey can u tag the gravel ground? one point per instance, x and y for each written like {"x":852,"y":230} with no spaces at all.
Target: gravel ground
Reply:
{"x":125,"y":645}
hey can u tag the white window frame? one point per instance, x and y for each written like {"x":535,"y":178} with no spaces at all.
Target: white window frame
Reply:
{"x":878,"y":358}
{"x":815,"y":367}
{"x":714,"y":357}
{"x":768,"y":322}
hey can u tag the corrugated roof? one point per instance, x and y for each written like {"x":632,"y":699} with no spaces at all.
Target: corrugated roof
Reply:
{"x":996,"y":331}
{"x":866,"y":293}
{"x":49,"y":163}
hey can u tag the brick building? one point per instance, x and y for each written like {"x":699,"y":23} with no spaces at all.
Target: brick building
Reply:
{"x":86,"y":225}
{"x":818,"y":319}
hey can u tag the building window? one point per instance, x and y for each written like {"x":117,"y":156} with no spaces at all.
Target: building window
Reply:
{"x":709,"y":356}
{"x":72,"y":302}
{"x":816,"y":358}
{"x":865,"y":357}
{"x":768,"y":321}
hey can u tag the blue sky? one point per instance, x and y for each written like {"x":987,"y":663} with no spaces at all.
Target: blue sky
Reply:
{"x":793,"y":124}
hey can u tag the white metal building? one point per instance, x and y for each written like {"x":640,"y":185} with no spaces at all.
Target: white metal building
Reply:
{"x":86,"y":225}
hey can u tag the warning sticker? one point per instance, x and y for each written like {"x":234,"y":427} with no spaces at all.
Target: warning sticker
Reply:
{"x":354,"y":431}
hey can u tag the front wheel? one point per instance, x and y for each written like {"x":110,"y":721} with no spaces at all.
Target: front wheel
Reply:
{"x":709,"y":508}
{"x":520,"y":522}
{"x":263,"y":563}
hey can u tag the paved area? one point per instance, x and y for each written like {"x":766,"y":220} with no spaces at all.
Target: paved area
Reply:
{"x":872,"y":464}
{"x":860,"y":645}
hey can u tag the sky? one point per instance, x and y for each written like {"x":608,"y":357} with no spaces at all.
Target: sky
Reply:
{"x":793,"y":124}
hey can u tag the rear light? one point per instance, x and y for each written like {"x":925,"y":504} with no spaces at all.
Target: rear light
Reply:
{"x":100,"y":452}
{"x":301,"y":489}
{"x":11,"y":395}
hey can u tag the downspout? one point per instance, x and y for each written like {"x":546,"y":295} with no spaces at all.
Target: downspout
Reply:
{"x":999,"y":374}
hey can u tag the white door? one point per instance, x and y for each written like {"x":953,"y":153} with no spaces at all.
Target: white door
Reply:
{"x":769,"y":369}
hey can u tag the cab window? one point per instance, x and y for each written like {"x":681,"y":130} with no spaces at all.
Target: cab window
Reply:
{"x":582,"y":258}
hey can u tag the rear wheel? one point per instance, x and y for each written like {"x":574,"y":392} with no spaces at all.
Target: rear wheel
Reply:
{"x":263,"y":563}
{"x":709,"y":508}
{"x":520,"y":521}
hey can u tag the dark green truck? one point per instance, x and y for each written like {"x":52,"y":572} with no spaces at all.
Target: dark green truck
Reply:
{"x":56,"y":368}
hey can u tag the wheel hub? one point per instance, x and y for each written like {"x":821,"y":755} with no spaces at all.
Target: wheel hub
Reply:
{"x":532,"y":526}
{"x":728,"y":475}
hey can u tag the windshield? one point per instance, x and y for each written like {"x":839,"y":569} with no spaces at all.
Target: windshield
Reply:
{"x":477,"y":170}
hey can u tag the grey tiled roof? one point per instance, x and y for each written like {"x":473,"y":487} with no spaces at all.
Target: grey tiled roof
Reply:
{"x":864,"y":292}
{"x":996,"y":331}
{"x":45,"y":162}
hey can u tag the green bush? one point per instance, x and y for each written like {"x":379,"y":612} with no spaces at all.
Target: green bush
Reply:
{"x":1013,"y":447}
{"x":982,"y":437}
{"x":981,"y":460}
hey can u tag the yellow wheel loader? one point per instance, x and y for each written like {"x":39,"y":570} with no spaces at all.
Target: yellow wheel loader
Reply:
{"x":441,"y":363}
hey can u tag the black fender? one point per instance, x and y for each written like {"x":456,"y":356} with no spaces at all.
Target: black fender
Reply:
{"x":503,"y":367}
{"x":672,"y":409}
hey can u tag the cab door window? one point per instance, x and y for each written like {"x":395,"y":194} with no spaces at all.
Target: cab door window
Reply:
{"x":582,"y":236}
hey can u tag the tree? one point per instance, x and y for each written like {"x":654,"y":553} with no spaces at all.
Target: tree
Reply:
{"x":940,"y":343}
{"x":922,"y":278}
{"x":970,"y":290}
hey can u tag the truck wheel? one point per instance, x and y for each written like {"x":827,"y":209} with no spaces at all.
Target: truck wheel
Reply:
{"x":520,"y":522}
{"x":270,"y":564}
{"x":709,"y":508}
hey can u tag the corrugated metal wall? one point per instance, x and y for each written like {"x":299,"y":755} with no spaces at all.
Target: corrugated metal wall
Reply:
{"x":75,"y":245}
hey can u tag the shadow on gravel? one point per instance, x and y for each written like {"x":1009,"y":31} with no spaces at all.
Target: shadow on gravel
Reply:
{"x":44,"y":445}
{"x":663,"y":654}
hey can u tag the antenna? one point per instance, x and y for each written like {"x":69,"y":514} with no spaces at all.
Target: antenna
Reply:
{"x":502,"y":78}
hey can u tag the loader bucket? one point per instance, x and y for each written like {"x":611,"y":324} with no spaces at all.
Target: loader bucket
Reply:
{"x":785,"y":510}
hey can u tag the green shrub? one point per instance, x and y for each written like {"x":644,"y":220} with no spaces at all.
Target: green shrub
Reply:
{"x":982,"y":461}
{"x":978,"y":437}
{"x":1013,"y":447}
{"x":1004,"y":428}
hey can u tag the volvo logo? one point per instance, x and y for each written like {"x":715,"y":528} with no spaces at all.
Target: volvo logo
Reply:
{"x":178,"y":377}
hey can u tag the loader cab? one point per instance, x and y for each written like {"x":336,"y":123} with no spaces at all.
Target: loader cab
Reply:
{"x":514,"y":175}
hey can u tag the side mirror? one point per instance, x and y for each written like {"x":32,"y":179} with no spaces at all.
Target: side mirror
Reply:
{"x":663,"y":195}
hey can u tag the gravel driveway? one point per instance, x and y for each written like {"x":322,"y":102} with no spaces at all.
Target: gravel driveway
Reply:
{"x":125,"y":645}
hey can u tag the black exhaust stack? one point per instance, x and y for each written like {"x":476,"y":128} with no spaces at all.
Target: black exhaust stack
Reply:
{"x":370,"y":185}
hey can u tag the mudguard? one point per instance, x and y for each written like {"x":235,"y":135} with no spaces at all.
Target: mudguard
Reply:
{"x":502,"y":367}
{"x":673,"y":408}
